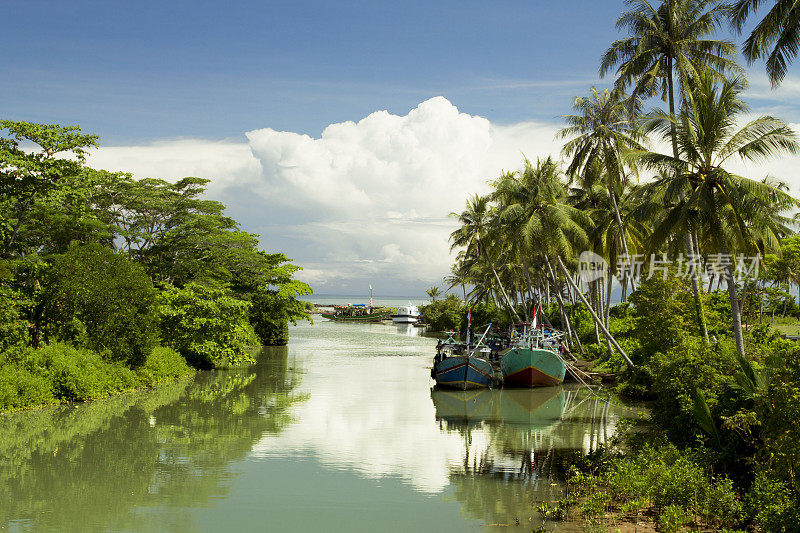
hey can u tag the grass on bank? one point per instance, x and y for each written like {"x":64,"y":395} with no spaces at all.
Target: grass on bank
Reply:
{"x":60,"y":373}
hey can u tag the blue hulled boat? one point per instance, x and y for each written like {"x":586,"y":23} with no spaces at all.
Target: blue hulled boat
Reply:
{"x":456,"y":366}
{"x":463,"y":372}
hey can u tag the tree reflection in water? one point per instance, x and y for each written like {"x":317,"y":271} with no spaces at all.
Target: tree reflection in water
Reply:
{"x":518,"y":446}
{"x":113,"y":464}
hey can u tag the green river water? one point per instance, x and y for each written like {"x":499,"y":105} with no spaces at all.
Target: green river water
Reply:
{"x":339,"y":431}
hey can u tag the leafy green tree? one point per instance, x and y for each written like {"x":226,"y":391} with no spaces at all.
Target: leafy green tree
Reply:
{"x":206,"y":325}
{"x":271,"y":313}
{"x":26,"y":175}
{"x":730,"y":214}
{"x":433,"y":292}
{"x":13,"y":326}
{"x":102,"y":300}
{"x":270,"y":317}
{"x":663,"y":312}
{"x":473,"y":235}
{"x":604,"y":133}
{"x":779,"y":30}
{"x":448,"y":314}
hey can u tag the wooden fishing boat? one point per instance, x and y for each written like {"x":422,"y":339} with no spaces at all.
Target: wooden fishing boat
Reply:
{"x":457,"y":366}
{"x":463,"y":372}
{"x":357,"y":313}
{"x":531,"y":367}
{"x":532,"y":360}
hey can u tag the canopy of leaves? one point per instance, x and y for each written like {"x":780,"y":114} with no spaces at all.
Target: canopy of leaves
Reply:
{"x":101,"y":299}
{"x":208,"y":326}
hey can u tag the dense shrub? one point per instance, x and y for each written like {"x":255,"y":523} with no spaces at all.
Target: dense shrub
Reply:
{"x":103,"y":301}
{"x":59,"y":373}
{"x":778,"y":410}
{"x":773,"y":505}
{"x":664,"y":314}
{"x":20,"y":389}
{"x":207,"y":326}
{"x":162,"y":364}
{"x":668,"y":480}
{"x":271,"y":313}
{"x":13,"y":329}
{"x":688,"y":366}
{"x":448,"y":314}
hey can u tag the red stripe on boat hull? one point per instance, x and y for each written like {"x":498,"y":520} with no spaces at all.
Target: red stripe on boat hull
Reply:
{"x":531,"y":377}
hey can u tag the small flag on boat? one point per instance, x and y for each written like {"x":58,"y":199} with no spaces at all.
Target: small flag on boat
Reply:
{"x":535,"y":317}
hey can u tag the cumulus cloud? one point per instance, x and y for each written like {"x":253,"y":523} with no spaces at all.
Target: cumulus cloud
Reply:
{"x":367,"y":201}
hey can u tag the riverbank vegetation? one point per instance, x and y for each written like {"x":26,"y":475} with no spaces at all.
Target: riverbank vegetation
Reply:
{"x":645,"y":202}
{"x":109,"y":283}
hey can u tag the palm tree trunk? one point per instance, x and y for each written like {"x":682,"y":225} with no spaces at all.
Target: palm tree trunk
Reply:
{"x":559,"y":297}
{"x":607,"y":313}
{"x":499,"y":283}
{"x":599,"y":322}
{"x":736,"y":314}
{"x":698,"y":300}
{"x":596,"y":300}
{"x":623,"y":240}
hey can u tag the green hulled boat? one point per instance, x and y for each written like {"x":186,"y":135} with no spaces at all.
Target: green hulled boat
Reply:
{"x":358,"y":313}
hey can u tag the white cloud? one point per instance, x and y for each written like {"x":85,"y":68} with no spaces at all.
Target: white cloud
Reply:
{"x":367,"y":200}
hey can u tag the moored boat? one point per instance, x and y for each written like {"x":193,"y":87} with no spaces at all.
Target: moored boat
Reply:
{"x":457,"y":366}
{"x":406,"y":314}
{"x":533,"y":359}
{"x":463,"y":372}
{"x":357,"y":313}
{"x":531,"y":367}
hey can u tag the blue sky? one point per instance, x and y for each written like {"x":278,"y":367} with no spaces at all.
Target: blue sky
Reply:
{"x":341,"y":132}
{"x":140,"y":70}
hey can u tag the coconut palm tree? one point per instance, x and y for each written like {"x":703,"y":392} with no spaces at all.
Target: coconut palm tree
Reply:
{"x":459,"y":275}
{"x":730,"y":214}
{"x":474,"y":234}
{"x":667,"y":40}
{"x":604,"y":133}
{"x":532,"y":203}
{"x":433,"y":292}
{"x":776,"y":36}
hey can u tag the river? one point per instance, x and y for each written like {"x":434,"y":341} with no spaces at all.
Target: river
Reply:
{"x":339,"y":431}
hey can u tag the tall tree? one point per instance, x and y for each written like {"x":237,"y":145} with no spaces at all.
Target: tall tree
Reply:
{"x":668,"y":42}
{"x":776,"y":36}
{"x":28,"y":173}
{"x":533,"y":204}
{"x":473,"y":234}
{"x":731,"y":214}
{"x":604,"y":132}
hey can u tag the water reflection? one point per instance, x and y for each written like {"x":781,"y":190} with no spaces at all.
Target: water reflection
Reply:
{"x":517,"y":445}
{"x":410,"y":330}
{"x":138,"y":461}
{"x":342,"y":422}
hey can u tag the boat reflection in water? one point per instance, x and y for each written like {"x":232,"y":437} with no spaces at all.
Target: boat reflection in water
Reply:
{"x":518,"y":445}
{"x":410,"y":330}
